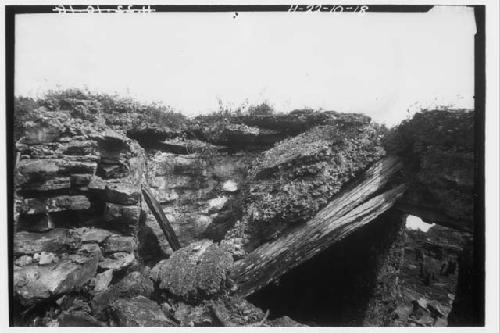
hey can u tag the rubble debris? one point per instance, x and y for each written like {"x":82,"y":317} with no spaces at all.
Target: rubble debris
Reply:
{"x":274,"y":190}
{"x":195,"y":272}
{"x":138,"y":311}
{"x":33,"y":283}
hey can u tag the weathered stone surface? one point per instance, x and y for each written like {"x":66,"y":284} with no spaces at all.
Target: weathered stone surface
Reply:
{"x":85,"y":147}
{"x":417,"y":281}
{"x":96,"y":184}
{"x":112,"y":140}
{"x":23,"y":260}
{"x":185,"y":147}
{"x":54,"y":204}
{"x":68,"y":167}
{"x":438,"y":149}
{"x":35,"y":171}
{"x":122,"y":193}
{"x":237,"y":135}
{"x":122,"y":213}
{"x":86,"y":234}
{"x":41,"y":133}
{"x":197,"y":271}
{"x":81,"y":179}
{"x":55,"y":240}
{"x":35,"y":222}
{"x":45,"y":258}
{"x":117,"y":243}
{"x":117,"y":261}
{"x":133,"y":284}
{"x":33,"y":283}
{"x":149,"y":135}
{"x":102,"y":280}
{"x":138,"y":312}
{"x":58,"y":183}
{"x":91,"y":249}
{"x":78,"y":319}
{"x":295,"y":179}
{"x":285,"y":321}
{"x":108,"y":171}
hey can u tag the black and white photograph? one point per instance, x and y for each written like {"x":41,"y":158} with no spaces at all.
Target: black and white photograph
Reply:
{"x":250,"y":165}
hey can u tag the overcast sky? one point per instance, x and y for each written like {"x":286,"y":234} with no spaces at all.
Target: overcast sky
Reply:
{"x":378,"y":64}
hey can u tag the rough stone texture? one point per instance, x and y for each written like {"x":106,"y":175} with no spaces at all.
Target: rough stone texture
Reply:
{"x":122,"y":193}
{"x":102,"y":280}
{"x":117,"y":243}
{"x":131,"y":285}
{"x":78,"y":175}
{"x":55,"y":240}
{"x":33,"y":283}
{"x":285,"y":321}
{"x":86,"y":234}
{"x":438,"y":147}
{"x":122,"y":213}
{"x":416,"y":283}
{"x":184,"y":186}
{"x":138,"y":312}
{"x":295,"y":179}
{"x":78,"y":319}
{"x":117,"y":261}
{"x":197,"y":271}
{"x":185,"y":147}
{"x":54,"y":204}
{"x":63,"y":156}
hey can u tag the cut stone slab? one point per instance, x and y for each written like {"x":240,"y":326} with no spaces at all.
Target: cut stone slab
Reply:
{"x":122,"y":193}
{"x":55,"y":240}
{"x":45,"y":258}
{"x":126,"y":214}
{"x":118,"y":261}
{"x":40,"y":133}
{"x":117,"y":243}
{"x":32,"y":171}
{"x":139,"y":312}
{"x":58,"y":183}
{"x":34,"y":283}
{"x":89,"y":235}
{"x":85,"y":147}
{"x":102,"y":280}
{"x":184,"y":147}
{"x":54,"y":204}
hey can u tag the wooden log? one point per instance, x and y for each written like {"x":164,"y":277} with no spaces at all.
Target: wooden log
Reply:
{"x":164,"y":223}
{"x":356,"y":206}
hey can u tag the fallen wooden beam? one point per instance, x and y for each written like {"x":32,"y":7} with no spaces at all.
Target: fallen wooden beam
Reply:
{"x":354,"y":207}
{"x":164,"y":223}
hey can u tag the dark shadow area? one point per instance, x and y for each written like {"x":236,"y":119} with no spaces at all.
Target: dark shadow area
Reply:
{"x":333,"y":288}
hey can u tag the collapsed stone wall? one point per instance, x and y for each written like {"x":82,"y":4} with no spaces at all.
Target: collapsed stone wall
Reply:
{"x":78,"y":206}
{"x":88,"y":251}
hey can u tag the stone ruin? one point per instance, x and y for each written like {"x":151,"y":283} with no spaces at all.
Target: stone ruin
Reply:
{"x":282,"y":220}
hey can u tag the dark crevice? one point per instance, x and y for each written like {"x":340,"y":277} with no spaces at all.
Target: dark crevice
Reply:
{"x":333,"y":288}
